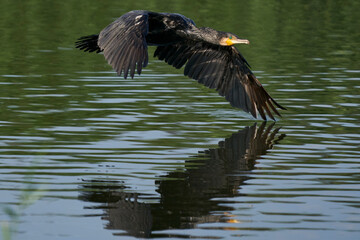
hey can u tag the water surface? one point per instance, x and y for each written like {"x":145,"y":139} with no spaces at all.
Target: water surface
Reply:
{"x":161,"y":156}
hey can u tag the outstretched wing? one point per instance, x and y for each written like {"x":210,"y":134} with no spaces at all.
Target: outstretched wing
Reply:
{"x":124,"y":43}
{"x":222,"y":68}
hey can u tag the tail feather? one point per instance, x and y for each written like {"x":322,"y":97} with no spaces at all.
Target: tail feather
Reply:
{"x":88,"y":43}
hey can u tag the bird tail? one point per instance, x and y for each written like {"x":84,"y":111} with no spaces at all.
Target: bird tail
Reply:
{"x":88,"y":43}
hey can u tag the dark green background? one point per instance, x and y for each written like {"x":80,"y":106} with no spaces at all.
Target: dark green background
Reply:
{"x":65,"y":115}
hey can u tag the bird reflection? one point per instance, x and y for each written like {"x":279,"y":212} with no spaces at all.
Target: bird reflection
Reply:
{"x":189,"y":199}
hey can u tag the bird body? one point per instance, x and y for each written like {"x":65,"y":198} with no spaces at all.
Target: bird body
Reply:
{"x":208,"y":55}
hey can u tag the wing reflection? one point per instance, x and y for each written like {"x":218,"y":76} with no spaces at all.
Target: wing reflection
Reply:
{"x":190,"y":199}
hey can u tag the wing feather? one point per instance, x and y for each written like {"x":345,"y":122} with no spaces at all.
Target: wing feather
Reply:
{"x":124,"y":43}
{"x":222,"y":68}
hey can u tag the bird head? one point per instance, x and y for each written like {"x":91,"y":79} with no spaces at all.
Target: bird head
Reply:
{"x":231,"y":39}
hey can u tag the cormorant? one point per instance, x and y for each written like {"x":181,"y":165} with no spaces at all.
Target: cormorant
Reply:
{"x":209,"y":55}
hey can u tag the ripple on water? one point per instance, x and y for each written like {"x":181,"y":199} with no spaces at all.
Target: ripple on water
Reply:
{"x":165,"y":146}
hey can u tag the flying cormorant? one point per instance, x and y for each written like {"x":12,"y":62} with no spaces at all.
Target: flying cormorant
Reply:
{"x":209,"y":55}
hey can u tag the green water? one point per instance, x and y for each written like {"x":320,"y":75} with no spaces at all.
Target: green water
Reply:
{"x":161,"y":156}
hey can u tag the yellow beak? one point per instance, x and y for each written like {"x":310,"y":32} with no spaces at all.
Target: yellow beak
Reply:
{"x":230,"y":42}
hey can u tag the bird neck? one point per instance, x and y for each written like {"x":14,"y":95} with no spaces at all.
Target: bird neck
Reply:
{"x":203,"y":34}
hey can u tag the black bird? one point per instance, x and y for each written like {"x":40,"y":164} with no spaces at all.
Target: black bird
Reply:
{"x":209,"y":55}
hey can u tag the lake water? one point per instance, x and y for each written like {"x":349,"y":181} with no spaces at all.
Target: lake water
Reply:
{"x":161,"y":156}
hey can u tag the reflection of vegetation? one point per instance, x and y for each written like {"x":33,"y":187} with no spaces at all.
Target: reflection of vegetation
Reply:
{"x":28,"y":196}
{"x":51,"y":99}
{"x":47,"y":88}
{"x":41,"y":27}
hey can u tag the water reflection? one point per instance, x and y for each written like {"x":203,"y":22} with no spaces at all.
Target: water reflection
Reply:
{"x":188,"y":197}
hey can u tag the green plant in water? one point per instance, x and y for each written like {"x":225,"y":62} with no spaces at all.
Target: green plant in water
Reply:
{"x":28,"y":196}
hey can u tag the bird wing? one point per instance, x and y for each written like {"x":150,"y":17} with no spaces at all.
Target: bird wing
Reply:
{"x":124,"y":43}
{"x":222,"y":68}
